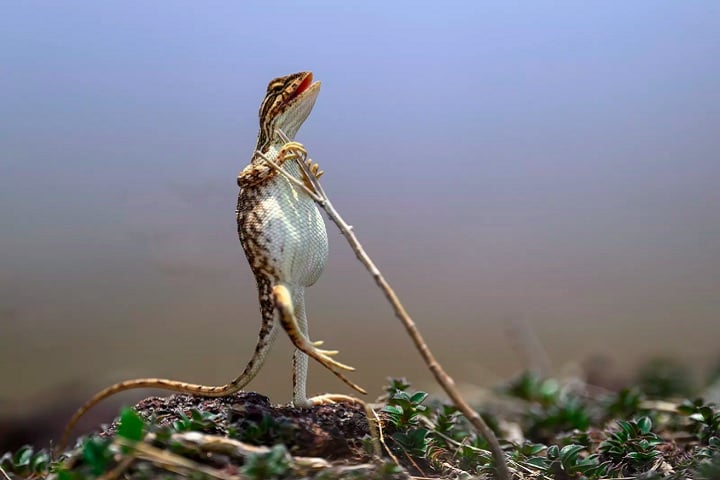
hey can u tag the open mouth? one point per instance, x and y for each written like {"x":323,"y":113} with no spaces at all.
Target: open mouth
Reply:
{"x":293,"y":95}
{"x":304,"y":85}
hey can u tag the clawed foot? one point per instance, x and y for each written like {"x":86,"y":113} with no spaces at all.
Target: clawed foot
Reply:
{"x":314,"y":168}
{"x":328,"y":353}
{"x":283,"y":303}
{"x":292,"y":151}
{"x":331,"y":398}
{"x":296,"y":151}
{"x":323,"y":356}
{"x":258,"y":172}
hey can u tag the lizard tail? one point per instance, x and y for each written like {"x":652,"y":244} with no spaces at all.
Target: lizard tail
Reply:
{"x":266,"y":337}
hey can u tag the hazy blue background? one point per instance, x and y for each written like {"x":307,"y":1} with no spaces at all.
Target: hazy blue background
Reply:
{"x":549,"y":163}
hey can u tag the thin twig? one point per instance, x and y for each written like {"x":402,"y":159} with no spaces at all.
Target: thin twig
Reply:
{"x":382,"y":440}
{"x":4,"y":474}
{"x":119,"y":469}
{"x":457,"y":471}
{"x":237,"y":449}
{"x":171,"y":461}
{"x":291,"y":178}
{"x":445,"y":381}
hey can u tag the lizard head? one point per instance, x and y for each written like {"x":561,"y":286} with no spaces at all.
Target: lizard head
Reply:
{"x":287,"y":104}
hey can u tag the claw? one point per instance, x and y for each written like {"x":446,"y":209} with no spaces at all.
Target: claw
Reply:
{"x":283,"y":302}
{"x":332,"y":398}
{"x":314,"y":168}
{"x":335,"y":363}
{"x":329,"y":353}
{"x":295,"y":149}
{"x":291,"y":151}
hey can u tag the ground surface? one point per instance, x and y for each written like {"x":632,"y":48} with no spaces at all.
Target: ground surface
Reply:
{"x":655,"y":426}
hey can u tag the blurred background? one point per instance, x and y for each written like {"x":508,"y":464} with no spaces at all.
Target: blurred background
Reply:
{"x":522,"y":172}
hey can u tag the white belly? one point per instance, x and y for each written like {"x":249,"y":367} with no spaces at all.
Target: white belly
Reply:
{"x":298,"y":246}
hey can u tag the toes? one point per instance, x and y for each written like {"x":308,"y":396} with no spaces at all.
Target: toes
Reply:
{"x":321,"y":400}
{"x":340,"y":365}
{"x":333,"y":398}
{"x":327,"y":353}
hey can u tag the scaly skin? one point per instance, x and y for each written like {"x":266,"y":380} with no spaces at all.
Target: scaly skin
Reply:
{"x":282,"y":231}
{"x":285,"y":242}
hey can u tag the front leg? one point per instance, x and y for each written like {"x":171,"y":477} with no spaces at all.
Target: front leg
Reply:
{"x":260,"y":170}
{"x":284,"y":306}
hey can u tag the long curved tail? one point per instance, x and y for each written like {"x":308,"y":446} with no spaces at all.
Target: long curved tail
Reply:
{"x":253,"y":367}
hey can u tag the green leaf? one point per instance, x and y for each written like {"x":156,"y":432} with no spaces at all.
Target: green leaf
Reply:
{"x":706,"y":412}
{"x":626,"y":427}
{"x":569,"y":454}
{"x":549,"y":388}
{"x":40,"y":462}
{"x":696,"y":417}
{"x":644,"y":424}
{"x":131,"y":425}
{"x":65,"y":475}
{"x":539,"y":462}
{"x":401,"y":396}
{"x":395,"y":412}
{"x":418,"y":397}
{"x":553,"y":452}
{"x":96,"y":454}
{"x":533,"y":448}
{"x":273,"y":464}
{"x":23,"y":456}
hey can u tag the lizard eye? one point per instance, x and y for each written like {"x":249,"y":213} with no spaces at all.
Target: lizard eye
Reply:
{"x":276,"y":86}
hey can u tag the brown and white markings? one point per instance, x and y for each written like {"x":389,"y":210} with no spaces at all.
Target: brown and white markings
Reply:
{"x":285,"y":242}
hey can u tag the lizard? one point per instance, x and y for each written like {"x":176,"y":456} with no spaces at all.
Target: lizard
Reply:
{"x":285,"y":242}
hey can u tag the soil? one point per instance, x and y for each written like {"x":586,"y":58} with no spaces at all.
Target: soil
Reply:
{"x":332,"y":431}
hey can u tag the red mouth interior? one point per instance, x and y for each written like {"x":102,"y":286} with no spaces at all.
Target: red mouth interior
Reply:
{"x":304,"y":85}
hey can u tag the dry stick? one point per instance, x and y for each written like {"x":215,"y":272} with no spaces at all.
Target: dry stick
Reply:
{"x":236,"y":449}
{"x":173,"y":462}
{"x":119,"y":469}
{"x":445,"y":381}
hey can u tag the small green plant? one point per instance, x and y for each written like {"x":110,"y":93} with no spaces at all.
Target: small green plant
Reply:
{"x":450,"y":423}
{"x":665,"y":378}
{"x":708,"y":469}
{"x":414,"y":441}
{"x":632,"y":448}
{"x":624,"y":404}
{"x":26,"y":462}
{"x":396,"y":385}
{"x":132,"y":426}
{"x":567,"y":460}
{"x":552,"y":409}
{"x":266,"y":466}
{"x":570,"y":413}
{"x":268,"y":430}
{"x":531,"y":387}
{"x":704,"y":418}
{"x":198,"y":421}
{"x":96,"y":454}
{"x":404,"y":409}
{"x":530,"y":454}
